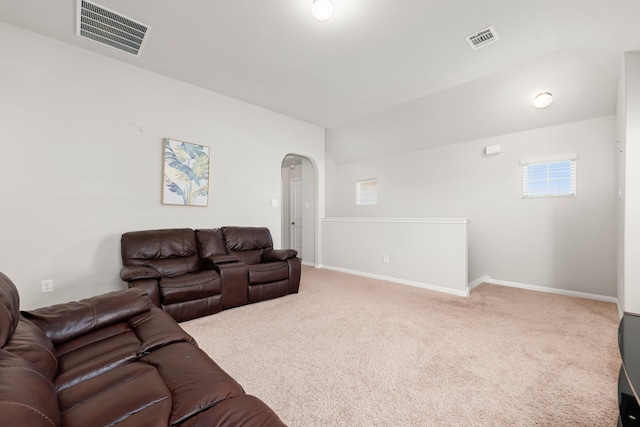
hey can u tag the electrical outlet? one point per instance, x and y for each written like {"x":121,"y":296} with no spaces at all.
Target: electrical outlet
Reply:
{"x":385,"y":259}
{"x":46,"y":286}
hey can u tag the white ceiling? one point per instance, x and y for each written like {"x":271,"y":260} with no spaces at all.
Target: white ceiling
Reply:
{"x":383,"y":76}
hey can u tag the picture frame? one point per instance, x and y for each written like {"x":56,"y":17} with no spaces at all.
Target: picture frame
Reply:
{"x":185,"y":174}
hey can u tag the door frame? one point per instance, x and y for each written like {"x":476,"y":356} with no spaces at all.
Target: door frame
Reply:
{"x":311,"y":226}
{"x":292,"y":211}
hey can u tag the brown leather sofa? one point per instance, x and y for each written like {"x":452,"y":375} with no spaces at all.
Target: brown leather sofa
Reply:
{"x":194,"y":273}
{"x":112,"y":359}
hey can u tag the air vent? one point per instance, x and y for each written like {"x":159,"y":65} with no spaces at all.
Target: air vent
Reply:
{"x":482,"y":38}
{"x":107,"y":27}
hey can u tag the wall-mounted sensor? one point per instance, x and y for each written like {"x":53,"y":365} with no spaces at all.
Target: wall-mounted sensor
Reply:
{"x":491,"y":150}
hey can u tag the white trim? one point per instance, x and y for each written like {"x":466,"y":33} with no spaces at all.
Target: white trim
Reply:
{"x":396,"y":280}
{"x":476,"y":283}
{"x":292,"y":208}
{"x":549,"y":159}
{"x":309,"y":264}
{"x":472,"y":285}
{"x":397,"y":220}
{"x":549,"y":290}
{"x":364,"y":196}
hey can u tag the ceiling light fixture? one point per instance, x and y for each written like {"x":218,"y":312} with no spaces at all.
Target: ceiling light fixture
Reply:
{"x":322,"y":9}
{"x":543,"y":100}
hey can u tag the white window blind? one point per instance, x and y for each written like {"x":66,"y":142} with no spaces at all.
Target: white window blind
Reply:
{"x":367,"y":192}
{"x":549,"y":177}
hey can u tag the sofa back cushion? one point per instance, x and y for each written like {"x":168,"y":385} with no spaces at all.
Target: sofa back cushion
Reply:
{"x":210,"y":242}
{"x":248,"y":243}
{"x":9,"y":308}
{"x":172,"y":251}
{"x":27,"y":398}
{"x":32,"y":345}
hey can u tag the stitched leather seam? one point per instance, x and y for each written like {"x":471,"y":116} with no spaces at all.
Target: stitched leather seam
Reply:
{"x":48,"y":351}
{"x":95,"y":316}
{"x":8,"y":402}
{"x":127,"y":380}
{"x":10,"y":316}
{"x":24,"y":368}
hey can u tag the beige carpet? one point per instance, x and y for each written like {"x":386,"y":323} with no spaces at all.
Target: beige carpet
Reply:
{"x":351,"y":351}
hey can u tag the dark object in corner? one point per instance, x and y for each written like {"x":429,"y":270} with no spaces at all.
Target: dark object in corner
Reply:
{"x":629,"y":378}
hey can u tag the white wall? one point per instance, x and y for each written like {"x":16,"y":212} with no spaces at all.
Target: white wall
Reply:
{"x":621,"y":136}
{"x":562,"y":243}
{"x":309,"y":228}
{"x":81,"y":162}
{"x":631,"y":204}
{"x":423,"y":252}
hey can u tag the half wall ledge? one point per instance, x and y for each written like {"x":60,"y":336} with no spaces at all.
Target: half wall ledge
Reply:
{"x":426,"y":252}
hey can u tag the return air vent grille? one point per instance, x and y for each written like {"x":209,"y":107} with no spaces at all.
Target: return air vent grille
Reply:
{"x":107,"y":27}
{"x":482,"y":38}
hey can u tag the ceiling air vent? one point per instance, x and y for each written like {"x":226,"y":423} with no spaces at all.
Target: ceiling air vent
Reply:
{"x":107,"y":27}
{"x":482,"y":38}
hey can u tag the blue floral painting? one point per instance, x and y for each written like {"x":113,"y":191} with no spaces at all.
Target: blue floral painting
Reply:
{"x":186,"y":174}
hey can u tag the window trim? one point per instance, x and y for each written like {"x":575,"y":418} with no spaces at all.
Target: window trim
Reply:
{"x":360,"y":201}
{"x":548,"y":160}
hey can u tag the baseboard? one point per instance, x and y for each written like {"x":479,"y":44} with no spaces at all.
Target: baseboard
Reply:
{"x":309,"y":264}
{"x":476,"y":282}
{"x":548,"y":290}
{"x":396,"y":280}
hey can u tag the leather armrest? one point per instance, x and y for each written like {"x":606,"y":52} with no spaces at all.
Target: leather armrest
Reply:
{"x":279,"y":254}
{"x":150,"y":286}
{"x":62,"y":322}
{"x":130,"y":273}
{"x":225,"y":259}
{"x":209,"y":263}
{"x":235,"y":284}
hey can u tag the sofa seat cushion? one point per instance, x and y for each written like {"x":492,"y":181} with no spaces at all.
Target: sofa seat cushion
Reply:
{"x":268,"y":272}
{"x":195,"y":381}
{"x":130,"y":395}
{"x":106,"y":348}
{"x":95,"y":353}
{"x":188,"y":287}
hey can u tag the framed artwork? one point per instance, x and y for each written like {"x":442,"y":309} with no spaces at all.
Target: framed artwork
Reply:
{"x":185,"y":174}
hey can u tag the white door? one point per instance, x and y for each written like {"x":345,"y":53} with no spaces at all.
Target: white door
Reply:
{"x":296,"y":215}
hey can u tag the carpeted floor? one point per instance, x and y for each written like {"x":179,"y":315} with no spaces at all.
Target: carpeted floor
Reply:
{"x":352,"y":351}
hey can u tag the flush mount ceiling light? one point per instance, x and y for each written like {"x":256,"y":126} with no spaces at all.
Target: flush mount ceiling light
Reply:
{"x":322,"y":9}
{"x":543,"y":100}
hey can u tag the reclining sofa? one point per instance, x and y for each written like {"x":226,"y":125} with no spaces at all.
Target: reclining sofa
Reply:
{"x":112,"y":359}
{"x":194,"y":273}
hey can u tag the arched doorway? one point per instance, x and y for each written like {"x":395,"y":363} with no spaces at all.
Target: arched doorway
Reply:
{"x":299,"y":206}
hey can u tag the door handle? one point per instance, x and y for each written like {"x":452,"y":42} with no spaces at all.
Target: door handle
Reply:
{"x":293,"y":223}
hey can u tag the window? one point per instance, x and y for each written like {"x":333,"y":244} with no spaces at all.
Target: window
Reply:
{"x":553,"y":176}
{"x":367,"y":192}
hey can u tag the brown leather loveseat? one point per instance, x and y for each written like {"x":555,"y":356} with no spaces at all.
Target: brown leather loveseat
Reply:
{"x":194,"y":273}
{"x":112,"y":359}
